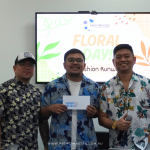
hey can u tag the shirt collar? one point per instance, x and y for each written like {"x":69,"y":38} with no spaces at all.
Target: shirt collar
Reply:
{"x":84,"y":78}
{"x":21,"y":83}
{"x":134,"y":78}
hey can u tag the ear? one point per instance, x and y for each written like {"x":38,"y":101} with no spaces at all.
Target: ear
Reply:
{"x":14,"y":67}
{"x":64,"y":65}
{"x":134,"y":60}
{"x":113,"y":61}
{"x":84,"y":65}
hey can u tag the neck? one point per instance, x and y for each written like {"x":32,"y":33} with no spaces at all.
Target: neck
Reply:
{"x":23,"y":81}
{"x":125,"y":77}
{"x":74,"y":78}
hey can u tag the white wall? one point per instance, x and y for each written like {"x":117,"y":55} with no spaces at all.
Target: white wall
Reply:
{"x":17,"y":26}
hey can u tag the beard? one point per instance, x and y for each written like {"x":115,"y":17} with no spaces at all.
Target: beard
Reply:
{"x":74,"y":75}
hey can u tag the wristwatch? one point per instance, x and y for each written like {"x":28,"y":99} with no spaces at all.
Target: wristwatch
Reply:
{"x":114,"y":125}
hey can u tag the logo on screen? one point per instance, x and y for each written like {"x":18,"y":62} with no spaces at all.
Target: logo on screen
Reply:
{"x":88,"y":25}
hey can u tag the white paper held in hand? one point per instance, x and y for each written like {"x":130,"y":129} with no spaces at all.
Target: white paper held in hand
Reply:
{"x":76,"y":102}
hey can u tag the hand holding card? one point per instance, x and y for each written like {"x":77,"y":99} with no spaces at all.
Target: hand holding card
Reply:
{"x":76,"y":102}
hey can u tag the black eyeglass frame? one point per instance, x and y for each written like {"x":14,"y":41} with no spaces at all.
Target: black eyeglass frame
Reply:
{"x":72,"y":60}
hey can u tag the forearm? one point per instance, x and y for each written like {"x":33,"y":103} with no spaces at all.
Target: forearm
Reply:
{"x":45,"y":112}
{"x":44,"y":131}
{"x":105,"y":122}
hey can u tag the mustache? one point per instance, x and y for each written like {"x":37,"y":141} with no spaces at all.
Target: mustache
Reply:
{"x":74,"y":67}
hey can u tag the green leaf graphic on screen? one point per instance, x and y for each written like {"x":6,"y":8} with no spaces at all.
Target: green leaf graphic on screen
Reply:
{"x":48,"y":47}
{"x":49,"y":56}
{"x":44,"y":72}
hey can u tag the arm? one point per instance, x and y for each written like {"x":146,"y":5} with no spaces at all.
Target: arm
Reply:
{"x":121,"y":124}
{"x":91,"y":110}
{"x":103,"y":116}
{"x":149,"y":138}
{"x":104,"y":120}
{"x":46,"y":112}
{"x":44,"y":132}
{"x":47,"y":108}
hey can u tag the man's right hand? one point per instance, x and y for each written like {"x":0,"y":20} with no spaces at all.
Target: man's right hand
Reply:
{"x":122,"y":124}
{"x":57,"y":108}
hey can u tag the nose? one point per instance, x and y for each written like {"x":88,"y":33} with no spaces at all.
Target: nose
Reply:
{"x":27,"y":66}
{"x":123,"y":59}
{"x":75,"y":62}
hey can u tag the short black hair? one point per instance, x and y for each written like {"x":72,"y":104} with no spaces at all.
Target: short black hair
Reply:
{"x":123,"y":46}
{"x":73,"y":51}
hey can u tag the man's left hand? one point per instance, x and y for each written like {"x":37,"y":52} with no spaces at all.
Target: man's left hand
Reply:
{"x":92,"y":111}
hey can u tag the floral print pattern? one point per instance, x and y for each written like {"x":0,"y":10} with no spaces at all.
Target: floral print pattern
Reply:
{"x":61,"y":125}
{"x":116,"y":102}
{"x":19,"y":112}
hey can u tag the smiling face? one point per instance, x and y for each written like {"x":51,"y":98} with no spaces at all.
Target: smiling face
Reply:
{"x":124,"y":61}
{"x":24,"y":71}
{"x":74,"y":69}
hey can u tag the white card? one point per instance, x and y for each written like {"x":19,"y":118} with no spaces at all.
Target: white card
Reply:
{"x":76,"y":102}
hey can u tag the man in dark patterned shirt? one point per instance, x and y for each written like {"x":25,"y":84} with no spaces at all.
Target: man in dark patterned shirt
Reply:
{"x":20,"y":107}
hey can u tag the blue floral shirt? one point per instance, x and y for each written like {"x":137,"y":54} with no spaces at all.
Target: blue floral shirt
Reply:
{"x":61,"y":125}
{"x":136,"y":102}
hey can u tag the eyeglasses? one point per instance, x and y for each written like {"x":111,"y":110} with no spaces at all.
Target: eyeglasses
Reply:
{"x":24,"y":65}
{"x":72,"y":60}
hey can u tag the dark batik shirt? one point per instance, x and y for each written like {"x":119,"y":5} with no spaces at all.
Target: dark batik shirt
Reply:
{"x":19,"y":112}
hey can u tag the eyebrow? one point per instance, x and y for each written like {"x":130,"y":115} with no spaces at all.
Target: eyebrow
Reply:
{"x":75,"y":58}
{"x":122,"y":54}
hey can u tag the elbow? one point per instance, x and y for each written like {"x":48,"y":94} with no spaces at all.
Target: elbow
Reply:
{"x":43,"y":114}
{"x":100,"y":124}
{"x":99,"y":121}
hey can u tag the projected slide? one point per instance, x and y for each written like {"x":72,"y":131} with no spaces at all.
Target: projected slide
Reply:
{"x":96,"y":36}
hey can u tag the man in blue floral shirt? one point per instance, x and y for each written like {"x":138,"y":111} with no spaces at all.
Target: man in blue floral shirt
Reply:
{"x":71,"y":129}
{"x":126,"y":94}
